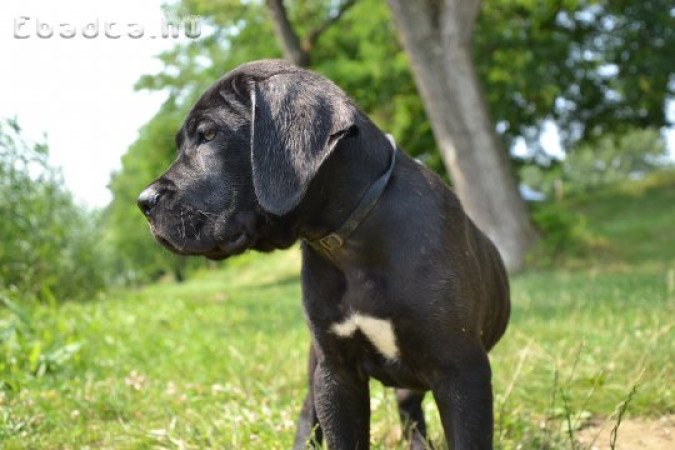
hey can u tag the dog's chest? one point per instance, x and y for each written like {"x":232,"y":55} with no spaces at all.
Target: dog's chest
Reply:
{"x":364,"y":314}
{"x":363,"y":327}
{"x":377,"y":348}
{"x":378,"y":331}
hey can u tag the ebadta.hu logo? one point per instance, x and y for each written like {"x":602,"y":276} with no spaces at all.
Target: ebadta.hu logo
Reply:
{"x":26,"y":27}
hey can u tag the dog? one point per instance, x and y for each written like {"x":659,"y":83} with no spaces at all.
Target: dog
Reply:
{"x":398,"y":283}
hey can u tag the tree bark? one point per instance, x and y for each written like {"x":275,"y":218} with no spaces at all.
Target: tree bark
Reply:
{"x":296,"y":50}
{"x":286,"y":35}
{"x":437,"y":37}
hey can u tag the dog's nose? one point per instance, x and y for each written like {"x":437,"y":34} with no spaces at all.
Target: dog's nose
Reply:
{"x":147,"y":200}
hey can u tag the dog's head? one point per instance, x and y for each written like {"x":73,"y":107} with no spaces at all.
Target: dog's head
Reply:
{"x":247,"y":152}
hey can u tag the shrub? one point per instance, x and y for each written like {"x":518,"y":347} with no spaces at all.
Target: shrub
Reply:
{"x":615,"y":157}
{"x":48,"y":245}
{"x":608,"y":159}
{"x":563,"y":233}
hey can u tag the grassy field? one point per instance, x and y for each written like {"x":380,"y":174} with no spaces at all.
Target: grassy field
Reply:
{"x":219,"y":361}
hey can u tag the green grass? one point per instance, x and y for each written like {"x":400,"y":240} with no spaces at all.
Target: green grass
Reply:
{"x":219,"y":361}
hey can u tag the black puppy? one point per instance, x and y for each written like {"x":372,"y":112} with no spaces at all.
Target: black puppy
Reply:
{"x":398,"y":283}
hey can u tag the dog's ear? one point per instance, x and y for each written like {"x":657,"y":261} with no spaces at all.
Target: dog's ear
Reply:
{"x":297,"y":119}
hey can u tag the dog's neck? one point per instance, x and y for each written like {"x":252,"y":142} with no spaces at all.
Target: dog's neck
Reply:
{"x":336,"y":238}
{"x":335,"y":195}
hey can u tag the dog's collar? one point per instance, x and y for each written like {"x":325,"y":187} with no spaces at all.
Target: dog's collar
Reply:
{"x":337,"y":238}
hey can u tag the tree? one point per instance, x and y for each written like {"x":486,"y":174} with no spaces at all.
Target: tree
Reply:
{"x":437,"y":37}
{"x":591,"y":66}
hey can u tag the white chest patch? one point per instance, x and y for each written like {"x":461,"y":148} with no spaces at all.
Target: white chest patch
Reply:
{"x":379,"y":332}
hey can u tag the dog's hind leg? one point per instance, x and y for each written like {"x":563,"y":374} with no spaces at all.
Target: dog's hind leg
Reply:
{"x":412,"y":418}
{"x":308,"y":433}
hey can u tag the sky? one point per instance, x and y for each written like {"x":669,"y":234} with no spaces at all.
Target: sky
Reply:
{"x":79,"y":92}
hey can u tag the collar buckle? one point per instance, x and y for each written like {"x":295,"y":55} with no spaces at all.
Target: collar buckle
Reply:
{"x":331,"y":242}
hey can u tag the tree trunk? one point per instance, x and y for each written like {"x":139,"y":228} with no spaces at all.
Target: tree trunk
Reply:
{"x":286,"y":35}
{"x":437,"y":37}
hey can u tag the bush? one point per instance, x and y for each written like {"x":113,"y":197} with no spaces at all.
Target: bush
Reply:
{"x":615,"y":157}
{"x":606,"y":160}
{"x":563,"y":233}
{"x":48,"y":245}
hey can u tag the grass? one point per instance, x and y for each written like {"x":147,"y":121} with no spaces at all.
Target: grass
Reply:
{"x":219,"y":361}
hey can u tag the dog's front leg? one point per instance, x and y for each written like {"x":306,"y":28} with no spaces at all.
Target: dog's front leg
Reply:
{"x":464,"y":399}
{"x":343,"y":405}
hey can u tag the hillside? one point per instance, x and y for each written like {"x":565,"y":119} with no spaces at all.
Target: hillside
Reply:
{"x":219,"y":361}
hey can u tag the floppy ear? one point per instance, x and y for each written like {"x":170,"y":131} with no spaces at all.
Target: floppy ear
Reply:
{"x":297,"y":119}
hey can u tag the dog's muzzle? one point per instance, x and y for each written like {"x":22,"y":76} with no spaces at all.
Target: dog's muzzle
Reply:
{"x":148,"y":200}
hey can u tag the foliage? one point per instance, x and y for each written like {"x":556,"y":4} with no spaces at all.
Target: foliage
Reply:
{"x":564,"y":233}
{"x":138,"y":257}
{"x":614,"y":158}
{"x":609,"y":159}
{"x":219,"y":361}
{"x":48,"y":245}
{"x":595,"y":67}
{"x":592,"y":66}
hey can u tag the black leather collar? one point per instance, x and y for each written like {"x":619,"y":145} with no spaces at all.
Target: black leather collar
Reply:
{"x":337,"y":238}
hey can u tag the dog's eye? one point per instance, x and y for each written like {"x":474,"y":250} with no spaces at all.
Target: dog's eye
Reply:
{"x":208,"y":135}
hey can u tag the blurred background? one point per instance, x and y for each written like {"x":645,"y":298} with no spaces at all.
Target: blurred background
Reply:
{"x":551,"y":119}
